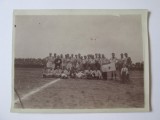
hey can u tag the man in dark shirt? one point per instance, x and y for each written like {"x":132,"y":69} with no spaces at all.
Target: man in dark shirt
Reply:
{"x":127,"y":60}
{"x":58,"y":62}
{"x":97,"y":65}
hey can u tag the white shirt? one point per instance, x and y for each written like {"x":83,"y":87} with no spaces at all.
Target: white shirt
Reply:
{"x":84,"y":61}
{"x":113,"y":60}
{"x":124,"y":70}
{"x":49,"y":59}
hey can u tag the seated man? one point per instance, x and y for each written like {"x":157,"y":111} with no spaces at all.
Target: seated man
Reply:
{"x":47,"y":73}
{"x":98,"y":74}
{"x":57,"y":72}
{"x":89,"y":74}
{"x":92,"y":73}
{"x":80,"y":75}
{"x":44,"y":73}
{"x":73,"y":72}
{"x":65,"y":74}
{"x":86,"y":71}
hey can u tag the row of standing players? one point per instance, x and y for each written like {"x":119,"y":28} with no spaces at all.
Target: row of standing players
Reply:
{"x":86,"y":66}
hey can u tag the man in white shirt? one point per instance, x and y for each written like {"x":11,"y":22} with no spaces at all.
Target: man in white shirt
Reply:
{"x":49,"y":60}
{"x":65,"y":74}
{"x":98,"y":74}
{"x":58,"y":72}
{"x":80,"y":74}
{"x":113,"y":61}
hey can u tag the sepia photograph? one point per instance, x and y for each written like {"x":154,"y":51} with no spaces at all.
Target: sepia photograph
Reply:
{"x":80,"y":61}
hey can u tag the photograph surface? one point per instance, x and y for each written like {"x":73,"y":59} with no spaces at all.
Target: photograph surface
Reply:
{"x":80,"y":61}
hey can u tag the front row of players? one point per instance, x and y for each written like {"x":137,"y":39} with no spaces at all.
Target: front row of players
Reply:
{"x":122,"y":65}
{"x":59,"y":73}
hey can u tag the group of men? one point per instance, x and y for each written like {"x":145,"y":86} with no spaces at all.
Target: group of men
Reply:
{"x":89,"y":66}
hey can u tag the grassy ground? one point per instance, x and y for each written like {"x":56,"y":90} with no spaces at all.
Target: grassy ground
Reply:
{"x":78,"y":93}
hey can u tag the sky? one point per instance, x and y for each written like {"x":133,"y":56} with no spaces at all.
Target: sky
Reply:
{"x":38,"y":35}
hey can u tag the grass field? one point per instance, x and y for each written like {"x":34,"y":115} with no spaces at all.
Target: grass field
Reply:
{"x":52,"y":93}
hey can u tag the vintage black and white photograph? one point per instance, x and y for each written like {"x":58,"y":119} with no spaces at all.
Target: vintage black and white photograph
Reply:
{"x":80,"y":60}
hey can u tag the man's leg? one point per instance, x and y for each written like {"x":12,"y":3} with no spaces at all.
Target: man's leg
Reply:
{"x":106,"y":75}
{"x":112,"y":76}
{"x":103,"y":75}
{"x":127,"y":77}
{"x":120,"y":77}
{"x":115,"y":75}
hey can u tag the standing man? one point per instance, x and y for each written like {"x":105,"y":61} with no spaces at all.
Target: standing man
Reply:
{"x":113,"y":61}
{"x":58,"y":62}
{"x":73,"y":61}
{"x":49,"y":61}
{"x":84,"y":63}
{"x":104,"y":63}
{"x":55,"y":55}
{"x":120,"y":63}
{"x":63,"y":62}
{"x":127,"y":61}
{"x":92,"y":62}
